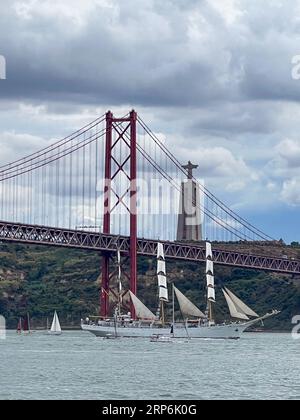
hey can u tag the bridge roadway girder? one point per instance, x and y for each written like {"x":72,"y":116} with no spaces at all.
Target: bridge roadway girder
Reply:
{"x":43,"y":235}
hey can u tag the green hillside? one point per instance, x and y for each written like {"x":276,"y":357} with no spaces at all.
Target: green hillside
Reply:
{"x":40,"y":279}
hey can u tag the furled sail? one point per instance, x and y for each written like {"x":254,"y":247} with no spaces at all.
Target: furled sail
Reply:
{"x":160,"y":251}
{"x":162,"y":281}
{"x":141,"y":310}
{"x":209,"y":267}
{"x":55,"y":327}
{"x":240,"y":305}
{"x":186,"y":306}
{"x":161,"y":267}
{"x":161,"y":274}
{"x":210,"y":280}
{"x":233,"y":309}
{"x":163,"y":294}
{"x":208,"y":251}
{"x":211,"y":295}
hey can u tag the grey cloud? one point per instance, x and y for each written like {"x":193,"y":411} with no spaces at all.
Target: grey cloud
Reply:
{"x":141,"y":56}
{"x":199,"y":80}
{"x":151,"y":55}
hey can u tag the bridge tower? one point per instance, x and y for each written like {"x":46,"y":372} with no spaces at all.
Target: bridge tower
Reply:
{"x":189,"y":219}
{"x":127,"y":136}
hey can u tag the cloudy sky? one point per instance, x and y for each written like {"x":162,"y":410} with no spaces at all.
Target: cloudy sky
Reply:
{"x":214,"y":77}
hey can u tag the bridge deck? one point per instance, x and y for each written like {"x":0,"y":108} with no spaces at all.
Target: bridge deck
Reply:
{"x":43,"y":235}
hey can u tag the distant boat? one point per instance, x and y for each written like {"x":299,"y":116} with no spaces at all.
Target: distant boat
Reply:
{"x":19,"y":327}
{"x":55,"y":327}
{"x":160,"y":338}
{"x":24,"y":325}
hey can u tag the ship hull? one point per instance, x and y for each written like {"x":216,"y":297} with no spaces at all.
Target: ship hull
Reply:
{"x":230,"y":331}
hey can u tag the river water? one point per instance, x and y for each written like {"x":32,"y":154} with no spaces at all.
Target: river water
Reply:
{"x":77,"y":365}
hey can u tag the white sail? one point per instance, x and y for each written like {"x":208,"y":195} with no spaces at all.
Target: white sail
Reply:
{"x":160,"y":251}
{"x":186,"y":306}
{"x":209,"y":267}
{"x":162,"y":281}
{"x":163,"y":294}
{"x":211,"y":295}
{"x":141,"y":310}
{"x":208,"y":250}
{"x":240,"y":305}
{"x":232,"y":308}
{"x":161,"y":267}
{"x":161,"y":274}
{"x":55,"y":327}
{"x":162,"y":287}
{"x":210,"y":280}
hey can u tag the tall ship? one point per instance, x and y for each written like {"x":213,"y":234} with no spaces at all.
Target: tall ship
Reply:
{"x":194,"y":323}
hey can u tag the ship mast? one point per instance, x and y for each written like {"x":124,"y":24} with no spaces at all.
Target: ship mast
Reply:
{"x":120,"y":287}
{"x":162,"y":281}
{"x":210,"y":281}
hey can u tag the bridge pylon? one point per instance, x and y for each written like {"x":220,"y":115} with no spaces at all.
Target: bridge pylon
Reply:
{"x":120,"y":131}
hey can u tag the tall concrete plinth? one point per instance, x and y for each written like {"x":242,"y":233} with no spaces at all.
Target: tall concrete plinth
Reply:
{"x":189,"y":218}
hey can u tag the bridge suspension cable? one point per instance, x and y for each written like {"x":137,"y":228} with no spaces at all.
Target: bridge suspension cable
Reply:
{"x":53,"y":146}
{"x":62,"y":185}
{"x":223,"y":224}
{"x":251,"y":228}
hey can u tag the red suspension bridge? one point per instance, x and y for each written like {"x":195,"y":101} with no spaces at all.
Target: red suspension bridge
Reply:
{"x":114,"y":184}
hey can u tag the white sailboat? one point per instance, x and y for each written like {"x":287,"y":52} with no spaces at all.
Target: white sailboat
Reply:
{"x":196,"y":324}
{"x":55,"y":327}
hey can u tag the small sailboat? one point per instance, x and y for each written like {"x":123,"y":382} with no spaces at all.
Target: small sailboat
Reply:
{"x":55,"y":327}
{"x":24,"y":325}
{"x":19,"y":326}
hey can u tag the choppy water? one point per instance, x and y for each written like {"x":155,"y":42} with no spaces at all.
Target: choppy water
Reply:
{"x":78,"y":365}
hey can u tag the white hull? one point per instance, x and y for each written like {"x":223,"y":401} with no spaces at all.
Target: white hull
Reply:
{"x":231,"y":331}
